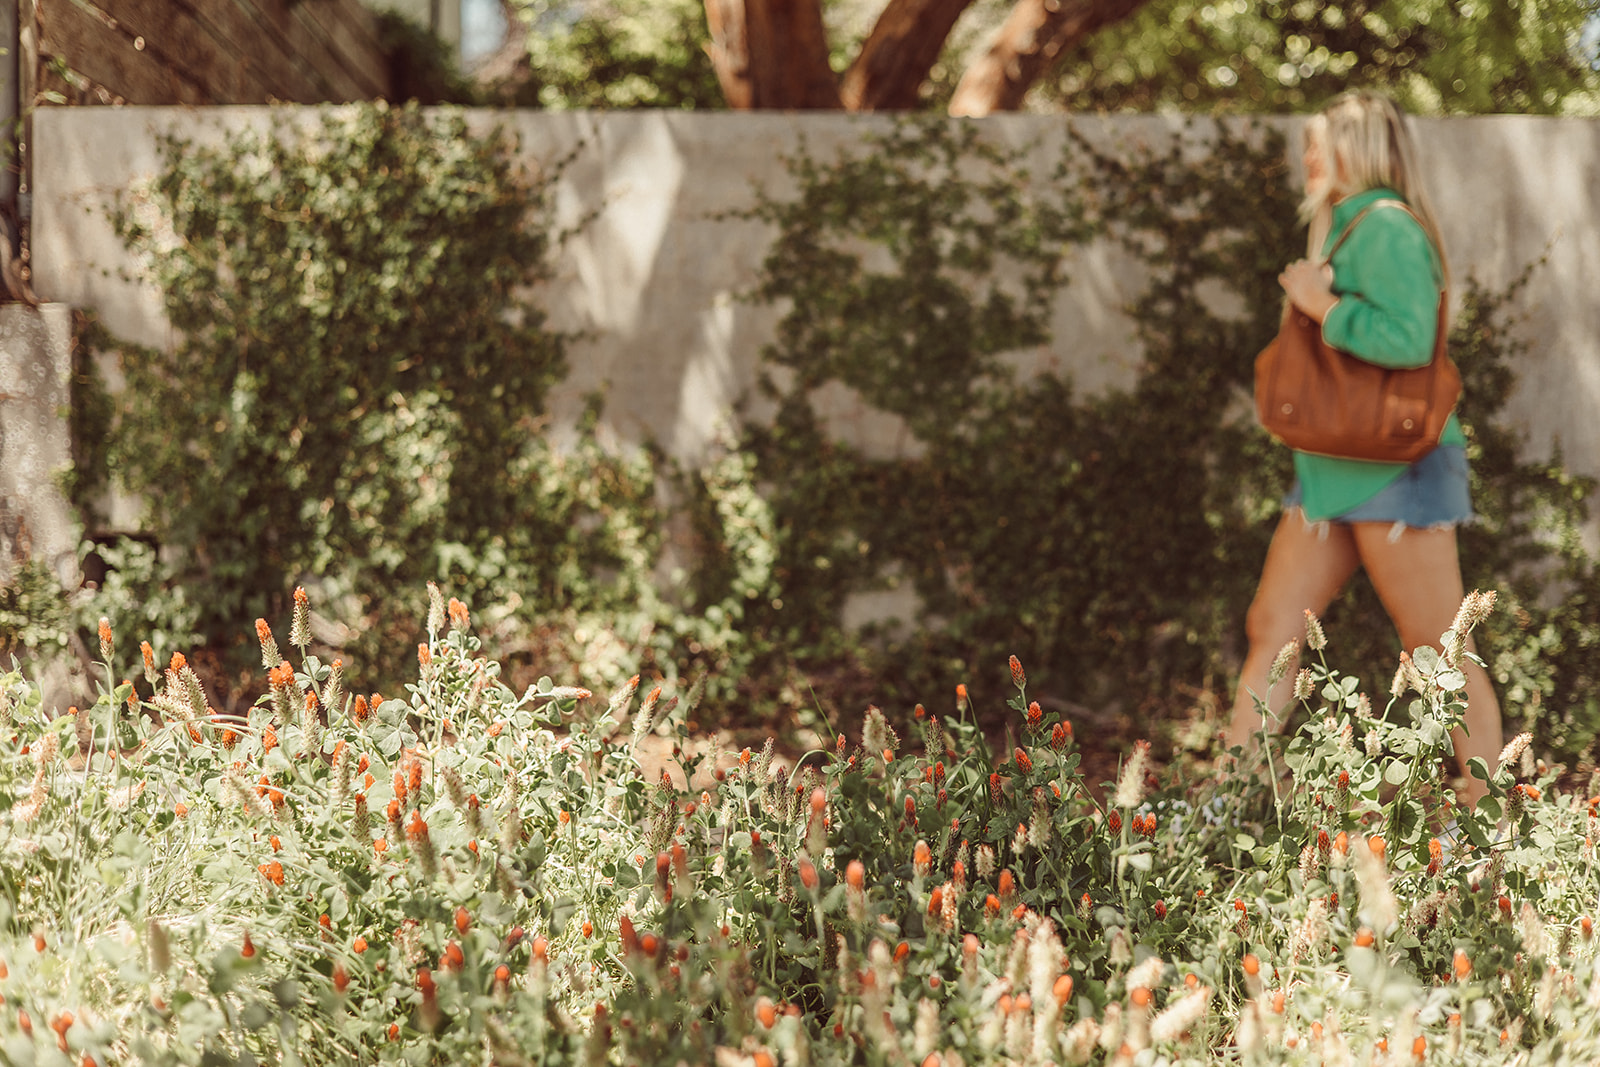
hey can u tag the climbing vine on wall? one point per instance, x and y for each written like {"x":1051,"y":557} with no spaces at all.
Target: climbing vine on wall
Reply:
{"x":1111,"y":540}
{"x":356,"y":390}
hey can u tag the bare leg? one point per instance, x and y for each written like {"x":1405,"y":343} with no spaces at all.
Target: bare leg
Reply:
{"x":1418,"y":578}
{"x":1305,"y":569}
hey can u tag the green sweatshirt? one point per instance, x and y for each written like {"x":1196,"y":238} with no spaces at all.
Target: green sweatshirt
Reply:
{"x":1387,"y":278}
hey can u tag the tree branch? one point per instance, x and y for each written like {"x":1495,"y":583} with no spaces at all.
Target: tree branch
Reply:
{"x":1033,"y":37}
{"x":771,"y":54}
{"x":897,"y":56}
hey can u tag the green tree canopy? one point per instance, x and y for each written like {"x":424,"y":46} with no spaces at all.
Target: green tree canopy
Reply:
{"x":1436,"y":56}
{"x":980,"y":56}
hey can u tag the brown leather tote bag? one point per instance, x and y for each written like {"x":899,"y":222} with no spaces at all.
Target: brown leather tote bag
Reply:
{"x":1315,"y":398}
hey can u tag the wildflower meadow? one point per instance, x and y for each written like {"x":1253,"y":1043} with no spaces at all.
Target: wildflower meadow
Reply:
{"x":462,"y":873}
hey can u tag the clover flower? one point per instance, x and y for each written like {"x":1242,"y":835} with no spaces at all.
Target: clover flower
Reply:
{"x":270,"y":656}
{"x":436,"y":611}
{"x":300,"y":620}
{"x":1130,"y":784}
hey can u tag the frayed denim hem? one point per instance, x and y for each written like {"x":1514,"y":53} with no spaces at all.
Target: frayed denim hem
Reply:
{"x":1397,"y":530}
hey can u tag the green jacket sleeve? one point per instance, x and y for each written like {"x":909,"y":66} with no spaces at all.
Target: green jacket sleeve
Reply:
{"x":1386,"y":278}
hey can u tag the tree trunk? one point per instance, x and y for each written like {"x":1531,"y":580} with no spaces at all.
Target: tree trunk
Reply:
{"x":895,"y":59}
{"x":771,"y":54}
{"x":1033,"y":37}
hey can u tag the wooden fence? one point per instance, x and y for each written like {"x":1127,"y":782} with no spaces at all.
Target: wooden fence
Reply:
{"x":200,"y":52}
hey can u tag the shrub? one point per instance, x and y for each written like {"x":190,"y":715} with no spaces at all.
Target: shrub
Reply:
{"x":356,"y":390}
{"x":469,"y":872}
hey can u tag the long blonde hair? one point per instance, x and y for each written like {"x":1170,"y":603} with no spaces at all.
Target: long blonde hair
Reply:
{"x":1367,"y":144}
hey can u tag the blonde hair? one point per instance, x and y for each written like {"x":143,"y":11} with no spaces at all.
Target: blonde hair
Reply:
{"x":1367,"y":144}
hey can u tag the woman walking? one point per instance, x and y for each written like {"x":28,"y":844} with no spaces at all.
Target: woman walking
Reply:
{"x":1376,"y":298}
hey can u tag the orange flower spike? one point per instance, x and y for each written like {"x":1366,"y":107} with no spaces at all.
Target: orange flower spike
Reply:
{"x":359,"y":945}
{"x":247,"y":948}
{"x":855,"y":875}
{"x":808,"y":874}
{"x":341,"y":979}
{"x":454,"y":959}
{"x":1062,"y":990}
{"x":1364,"y":938}
{"x":1341,"y":844}
{"x":1462,"y":965}
{"x":1378,"y":846}
{"x":1141,"y":997}
{"x":1419,"y":1048}
{"x":540,"y":949}
{"x":1252,"y":965}
{"x":463,"y":921}
{"x":766,"y":1013}
{"x":901,"y":951}
{"x":936,"y":901}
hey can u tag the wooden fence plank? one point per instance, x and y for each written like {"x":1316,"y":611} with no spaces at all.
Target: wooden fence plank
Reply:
{"x":219,"y":51}
{"x":90,"y":47}
{"x":171,"y":32}
{"x":352,"y":31}
{"x":303,"y":39}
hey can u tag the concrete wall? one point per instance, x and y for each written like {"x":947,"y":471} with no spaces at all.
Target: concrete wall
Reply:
{"x":35,"y":364}
{"x":656,"y":278}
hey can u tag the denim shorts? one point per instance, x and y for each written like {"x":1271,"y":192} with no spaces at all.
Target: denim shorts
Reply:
{"x":1432,"y":493}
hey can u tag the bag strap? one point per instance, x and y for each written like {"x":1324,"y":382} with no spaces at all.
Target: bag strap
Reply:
{"x":1350,"y":228}
{"x":1387,"y":201}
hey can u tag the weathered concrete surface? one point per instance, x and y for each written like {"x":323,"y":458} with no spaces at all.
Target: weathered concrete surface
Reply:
{"x":656,"y":279}
{"x":35,"y":365}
